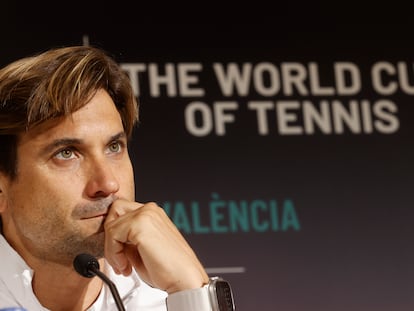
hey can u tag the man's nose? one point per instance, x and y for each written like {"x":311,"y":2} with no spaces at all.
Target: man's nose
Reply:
{"x":102,"y":179}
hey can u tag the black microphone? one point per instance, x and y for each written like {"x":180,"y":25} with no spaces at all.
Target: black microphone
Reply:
{"x":88,"y":266}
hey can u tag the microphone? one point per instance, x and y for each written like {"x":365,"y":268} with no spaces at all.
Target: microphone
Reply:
{"x":88,"y":266}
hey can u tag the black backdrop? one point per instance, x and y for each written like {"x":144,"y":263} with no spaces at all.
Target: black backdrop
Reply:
{"x":296,"y":214}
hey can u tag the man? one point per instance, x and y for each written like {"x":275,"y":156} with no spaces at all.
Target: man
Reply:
{"x":66,"y":187}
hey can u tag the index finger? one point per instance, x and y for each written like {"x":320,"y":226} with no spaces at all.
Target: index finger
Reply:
{"x":120,"y":207}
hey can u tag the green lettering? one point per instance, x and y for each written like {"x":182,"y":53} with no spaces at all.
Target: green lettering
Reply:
{"x":273,"y":215}
{"x":238,"y":216}
{"x":289,"y":217}
{"x":198,"y":228}
{"x":257,"y":206}
{"x":216,"y":216}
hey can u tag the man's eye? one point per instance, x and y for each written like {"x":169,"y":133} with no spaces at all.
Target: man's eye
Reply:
{"x":115,"y":147}
{"x":65,"y":154}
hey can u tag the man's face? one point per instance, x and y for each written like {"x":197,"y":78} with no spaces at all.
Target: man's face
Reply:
{"x":69,"y":173}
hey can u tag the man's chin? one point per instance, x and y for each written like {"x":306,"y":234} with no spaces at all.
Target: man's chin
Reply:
{"x":94,"y":244}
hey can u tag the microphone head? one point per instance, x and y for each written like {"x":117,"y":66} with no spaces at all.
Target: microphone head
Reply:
{"x":85,"y":265}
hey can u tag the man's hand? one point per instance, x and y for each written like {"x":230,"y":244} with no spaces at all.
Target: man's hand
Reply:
{"x":143,"y":237}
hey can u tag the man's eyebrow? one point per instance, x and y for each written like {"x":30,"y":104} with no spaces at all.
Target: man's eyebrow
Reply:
{"x":61,"y":142}
{"x":120,"y":135}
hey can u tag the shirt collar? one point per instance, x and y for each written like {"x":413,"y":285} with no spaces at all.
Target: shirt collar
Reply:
{"x":18,"y":276}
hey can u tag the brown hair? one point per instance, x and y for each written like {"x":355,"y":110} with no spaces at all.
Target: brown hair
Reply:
{"x":53,"y":84}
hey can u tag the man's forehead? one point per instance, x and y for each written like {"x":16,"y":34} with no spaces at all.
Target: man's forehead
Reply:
{"x":99,"y":117}
{"x":45,"y":128}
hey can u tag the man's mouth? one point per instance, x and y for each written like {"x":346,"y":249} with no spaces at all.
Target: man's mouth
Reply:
{"x":103,"y":215}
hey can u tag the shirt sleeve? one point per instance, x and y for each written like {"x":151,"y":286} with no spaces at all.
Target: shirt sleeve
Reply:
{"x":190,"y":300}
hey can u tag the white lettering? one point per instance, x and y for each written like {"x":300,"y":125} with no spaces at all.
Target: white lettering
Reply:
{"x":206,"y":119}
{"x":261,"y":108}
{"x":186,"y":79}
{"x":294,"y":74}
{"x":378,"y":80}
{"x":133,"y":71}
{"x":340,"y":70}
{"x":383,"y":109}
{"x":315,"y":86}
{"x":156,"y":80}
{"x":221,"y":117}
{"x":284,"y":117}
{"x":233,"y":80}
{"x":266,"y":69}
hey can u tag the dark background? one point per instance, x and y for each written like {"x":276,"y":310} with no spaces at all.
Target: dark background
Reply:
{"x":352,"y":193}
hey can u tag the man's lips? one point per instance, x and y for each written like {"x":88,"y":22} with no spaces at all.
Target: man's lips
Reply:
{"x":95,"y":216}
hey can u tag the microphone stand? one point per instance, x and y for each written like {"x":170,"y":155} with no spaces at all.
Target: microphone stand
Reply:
{"x":88,"y":266}
{"x":111,"y":286}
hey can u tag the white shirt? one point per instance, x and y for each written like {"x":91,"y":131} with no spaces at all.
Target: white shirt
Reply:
{"x":16,"y":287}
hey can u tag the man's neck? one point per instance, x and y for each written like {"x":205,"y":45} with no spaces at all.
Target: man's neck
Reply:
{"x":61,"y":288}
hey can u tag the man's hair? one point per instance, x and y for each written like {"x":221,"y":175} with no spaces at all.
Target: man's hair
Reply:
{"x":54,"y":84}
